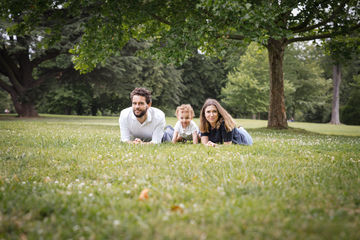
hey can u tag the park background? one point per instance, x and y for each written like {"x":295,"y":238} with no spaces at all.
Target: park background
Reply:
{"x":69,"y":177}
{"x":275,"y":61}
{"x":239,"y":81}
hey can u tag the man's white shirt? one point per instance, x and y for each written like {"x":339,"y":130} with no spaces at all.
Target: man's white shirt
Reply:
{"x":151,"y":130}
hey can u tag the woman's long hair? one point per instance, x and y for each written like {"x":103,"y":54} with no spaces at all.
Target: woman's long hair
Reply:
{"x":223,"y":115}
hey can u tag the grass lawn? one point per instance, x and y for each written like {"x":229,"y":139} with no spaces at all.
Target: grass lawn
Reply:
{"x":67,"y":177}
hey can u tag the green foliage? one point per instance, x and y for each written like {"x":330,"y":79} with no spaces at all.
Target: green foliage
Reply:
{"x":310,"y":99}
{"x":307,"y":93}
{"x":247,"y":88}
{"x":70,"y":177}
{"x":121,"y":74}
{"x":67,"y":98}
{"x":178,"y":27}
{"x":33,"y":32}
{"x":203,"y":78}
{"x":107,"y":88}
{"x":344,"y":50}
{"x":351,"y":111}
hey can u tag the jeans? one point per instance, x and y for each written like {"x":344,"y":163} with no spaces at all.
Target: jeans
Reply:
{"x":168,"y":134}
{"x":241,"y":136}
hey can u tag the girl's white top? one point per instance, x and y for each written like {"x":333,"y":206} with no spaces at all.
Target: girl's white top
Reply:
{"x":187,"y":132}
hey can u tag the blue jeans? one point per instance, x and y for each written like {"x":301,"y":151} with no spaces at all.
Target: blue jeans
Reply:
{"x":241,"y":136}
{"x":168,"y":134}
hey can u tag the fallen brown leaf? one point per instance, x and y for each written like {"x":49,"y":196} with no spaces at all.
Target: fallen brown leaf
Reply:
{"x":177,"y":208}
{"x":144,"y":194}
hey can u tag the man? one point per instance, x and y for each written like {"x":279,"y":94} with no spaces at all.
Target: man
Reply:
{"x":142,"y":123}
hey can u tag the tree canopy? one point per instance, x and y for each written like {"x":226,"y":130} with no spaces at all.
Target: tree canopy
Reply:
{"x":178,"y":27}
{"x":31,"y":34}
{"x":175,"y":28}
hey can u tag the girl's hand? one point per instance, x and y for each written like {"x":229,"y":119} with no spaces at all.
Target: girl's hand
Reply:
{"x":179,"y":139}
{"x":211,"y":144}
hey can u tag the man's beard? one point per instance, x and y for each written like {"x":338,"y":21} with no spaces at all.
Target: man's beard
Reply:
{"x":142,"y":113}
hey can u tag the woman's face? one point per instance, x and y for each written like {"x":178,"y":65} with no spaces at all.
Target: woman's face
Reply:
{"x":211,"y":115}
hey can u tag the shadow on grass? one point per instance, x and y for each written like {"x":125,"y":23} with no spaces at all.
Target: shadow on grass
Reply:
{"x":290,"y":130}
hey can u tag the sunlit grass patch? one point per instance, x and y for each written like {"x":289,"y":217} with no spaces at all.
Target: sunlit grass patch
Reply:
{"x":67,"y":179}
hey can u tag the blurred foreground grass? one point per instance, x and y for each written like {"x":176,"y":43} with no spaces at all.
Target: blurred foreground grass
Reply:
{"x":72,"y":178}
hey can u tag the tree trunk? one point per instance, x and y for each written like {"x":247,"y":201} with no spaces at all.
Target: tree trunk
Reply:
{"x":26,"y":109}
{"x":335,"y":116}
{"x":277,"y":113}
{"x":18,"y":67}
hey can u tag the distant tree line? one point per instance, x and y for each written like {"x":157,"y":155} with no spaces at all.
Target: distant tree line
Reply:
{"x":37,"y":71}
{"x":239,"y":80}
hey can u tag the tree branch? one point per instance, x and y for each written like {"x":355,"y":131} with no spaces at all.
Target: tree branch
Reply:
{"x":10,"y":73}
{"x":322,"y":36}
{"x":309,"y":38}
{"x":9,"y":61}
{"x":234,"y":37}
{"x":308,"y":18}
{"x":49,"y":54}
{"x":6,"y":86}
{"x":2,"y":72}
{"x":303,"y":28}
{"x":46,"y":20}
{"x":160,"y":19}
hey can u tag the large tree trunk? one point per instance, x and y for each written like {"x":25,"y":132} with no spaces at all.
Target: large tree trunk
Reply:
{"x":335,"y":116}
{"x":277,"y":113}
{"x":20,"y":92}
{"x":23,"y":109}
{"x":26,"y":110}
{"x":18,"y":67}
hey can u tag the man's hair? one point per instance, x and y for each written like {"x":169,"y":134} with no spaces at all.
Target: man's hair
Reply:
{"x":223,"y":116}
{"x":185,"y":108}
{"x":141,"y":92}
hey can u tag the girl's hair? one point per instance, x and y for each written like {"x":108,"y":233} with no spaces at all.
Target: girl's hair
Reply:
{"x":185,"y":108}
{"x":223,"y":116}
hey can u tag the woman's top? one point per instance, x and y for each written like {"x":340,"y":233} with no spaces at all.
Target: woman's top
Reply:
{"x":236,"y":136}
{"x":219,"y":135}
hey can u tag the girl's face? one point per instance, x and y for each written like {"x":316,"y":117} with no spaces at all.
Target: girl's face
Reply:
{"x":184,"y":118}
{"x":211,"y":115}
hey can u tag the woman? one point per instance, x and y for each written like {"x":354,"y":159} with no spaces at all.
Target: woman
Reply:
{"x":217,"y":126}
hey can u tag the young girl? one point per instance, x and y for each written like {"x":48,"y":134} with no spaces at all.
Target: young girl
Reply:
{"x":185,"y":128}
{"x":217,"y":126}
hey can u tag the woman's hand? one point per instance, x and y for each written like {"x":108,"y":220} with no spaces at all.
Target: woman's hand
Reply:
{"x":206,"y":142}
{"x":211,"y":144}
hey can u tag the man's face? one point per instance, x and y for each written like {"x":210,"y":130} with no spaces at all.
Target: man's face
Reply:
{"x":139,"y":106}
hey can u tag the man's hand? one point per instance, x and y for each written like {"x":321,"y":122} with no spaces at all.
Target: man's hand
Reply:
{"x":137,"y":141}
